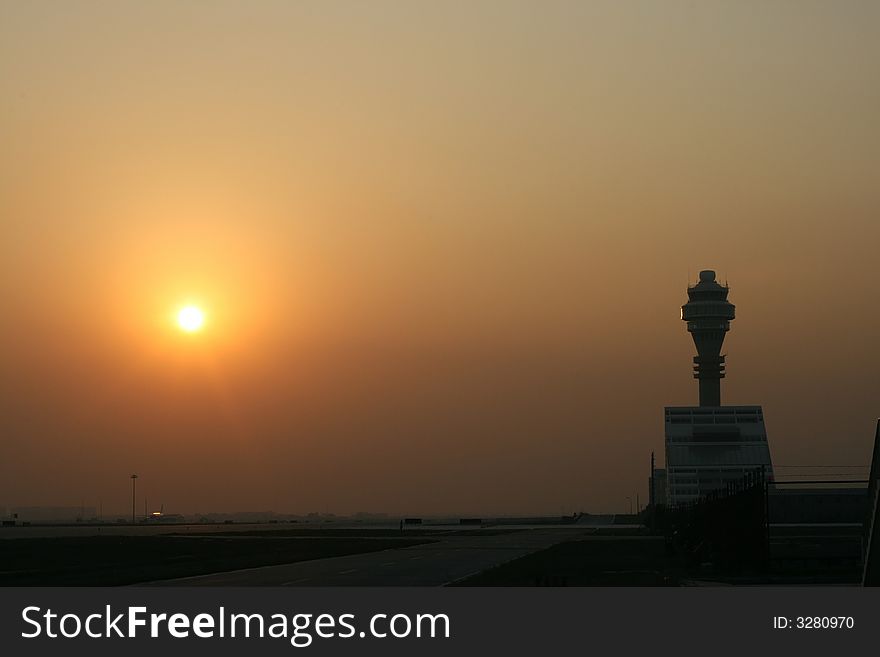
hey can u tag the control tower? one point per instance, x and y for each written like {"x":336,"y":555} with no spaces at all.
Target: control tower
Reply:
{"x":708,"y":314}
{"x":710,"y":445}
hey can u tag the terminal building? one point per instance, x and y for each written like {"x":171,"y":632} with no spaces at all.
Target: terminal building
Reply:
{"x":709,"y":445}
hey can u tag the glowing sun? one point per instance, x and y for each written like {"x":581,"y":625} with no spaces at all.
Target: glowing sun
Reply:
{"x":190,"y":319}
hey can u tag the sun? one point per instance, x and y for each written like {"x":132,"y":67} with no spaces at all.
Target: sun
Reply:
{"x":190,"y":319}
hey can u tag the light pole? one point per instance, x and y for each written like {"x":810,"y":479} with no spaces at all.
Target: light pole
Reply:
{"x":630,"y":504}
{"x":133,"y":487}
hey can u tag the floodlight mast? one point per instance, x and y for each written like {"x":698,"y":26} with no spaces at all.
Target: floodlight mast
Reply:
{"x":133,"y":488}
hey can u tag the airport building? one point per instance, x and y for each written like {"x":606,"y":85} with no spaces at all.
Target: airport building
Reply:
{"x":710,"y":445}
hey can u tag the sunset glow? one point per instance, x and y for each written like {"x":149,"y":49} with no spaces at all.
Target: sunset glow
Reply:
{"x":423,"y":258}
{"x":190,"y":319}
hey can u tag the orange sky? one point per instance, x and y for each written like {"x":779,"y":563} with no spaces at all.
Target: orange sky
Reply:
{"x":441,"y":248}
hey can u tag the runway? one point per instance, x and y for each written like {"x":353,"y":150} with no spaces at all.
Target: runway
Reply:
{"x":433,"y":564}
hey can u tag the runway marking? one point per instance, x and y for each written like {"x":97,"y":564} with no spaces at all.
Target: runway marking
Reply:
{"x":346,"y":572}
{"x":415,"y":558}
{"x":389,"y":563}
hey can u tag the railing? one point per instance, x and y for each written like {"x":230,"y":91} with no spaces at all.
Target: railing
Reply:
{"x":726,"y":527}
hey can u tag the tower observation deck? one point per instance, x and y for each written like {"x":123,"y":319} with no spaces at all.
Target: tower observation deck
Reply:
{"x":708,"y":314}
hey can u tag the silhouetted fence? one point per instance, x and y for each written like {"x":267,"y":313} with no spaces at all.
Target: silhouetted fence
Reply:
{"x":727,"y":527}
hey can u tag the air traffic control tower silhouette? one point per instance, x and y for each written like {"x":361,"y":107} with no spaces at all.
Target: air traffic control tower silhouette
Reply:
{"x":710,"y":445}
{"x":708,"y":314}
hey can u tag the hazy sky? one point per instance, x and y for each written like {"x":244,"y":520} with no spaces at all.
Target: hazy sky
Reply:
{"x":441,"y":246}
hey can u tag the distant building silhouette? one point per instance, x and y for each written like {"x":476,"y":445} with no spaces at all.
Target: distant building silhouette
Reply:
{"x":710,"y":445}
{"x":55,"y":514}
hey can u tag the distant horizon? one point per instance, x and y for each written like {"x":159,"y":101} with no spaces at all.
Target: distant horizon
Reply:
{"x":115,"y":518}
